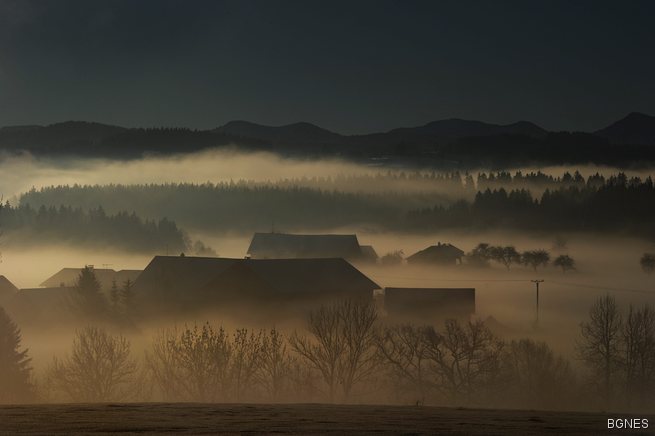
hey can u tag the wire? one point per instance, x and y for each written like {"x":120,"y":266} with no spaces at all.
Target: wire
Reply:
{"x":556,"y":282}
{"x":603,"y":288}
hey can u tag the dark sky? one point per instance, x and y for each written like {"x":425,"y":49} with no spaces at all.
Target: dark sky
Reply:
{"x":352,"y":66}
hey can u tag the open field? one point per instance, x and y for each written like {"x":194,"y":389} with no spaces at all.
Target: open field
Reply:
{"x":296,"y":418}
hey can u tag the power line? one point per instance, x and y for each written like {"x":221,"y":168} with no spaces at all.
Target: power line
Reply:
{"x":602,"y":288}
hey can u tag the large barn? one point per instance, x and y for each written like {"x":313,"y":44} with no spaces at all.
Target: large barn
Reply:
{"x":183,"y":283}
{"x":429,"y":304}
{"x":285,"y":245}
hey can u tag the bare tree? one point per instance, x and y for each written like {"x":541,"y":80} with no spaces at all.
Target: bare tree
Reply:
{"x":464,"y":359}
{"x":274,"y":364}
{"x":535,"y":258}
{"x":505,"y":255}
{"x":565,"y":262}
{"x":99,"y":368}
{"x":600,"y":343}
{"x":405,"y":353}
{"x":246,"y":351}
{"x":647,"y":263}
{"x":480,"y":255}
{"x":534,"y":376}
{"x":638,"y":336}
{"x":342,"y":347}
{"x":193,"y":364}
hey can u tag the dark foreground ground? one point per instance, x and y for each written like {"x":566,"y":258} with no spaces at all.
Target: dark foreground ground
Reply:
{"x":296,"y":418}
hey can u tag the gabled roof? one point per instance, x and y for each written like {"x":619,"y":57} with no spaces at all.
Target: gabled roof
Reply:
{"x":284,"y":245}
{"x":7,"y":287}
{"x":189,"y":275}
{"x":69,"y":276}
{"x":180,"y":272}
{"x":442,"y":251}
{"x":310,"y":275}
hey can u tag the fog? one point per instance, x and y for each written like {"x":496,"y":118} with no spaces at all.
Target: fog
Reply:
{"x":505,"y":300}
{"x":20,"y":173}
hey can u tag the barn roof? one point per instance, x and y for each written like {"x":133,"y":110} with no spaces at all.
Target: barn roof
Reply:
{"x":310,"y":275}
{"x":180,"y":272}
{"x":284,"y":245}
{"x":188,"y":274}
{"x":442,"y":251}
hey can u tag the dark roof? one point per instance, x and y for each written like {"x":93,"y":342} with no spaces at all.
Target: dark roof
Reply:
{"x":283,"y":245}
{"x":68,"y":277}
{"x":439,"y":251}
{"x":180,"y":273}
{"x":368,"y":252}
{"x":310,"y":275}
{"x":7,"y":287}
{"x":51,"y":299}
{"x":188,"y":275}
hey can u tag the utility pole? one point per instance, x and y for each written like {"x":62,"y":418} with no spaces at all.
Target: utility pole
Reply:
{"x":536,"y":321}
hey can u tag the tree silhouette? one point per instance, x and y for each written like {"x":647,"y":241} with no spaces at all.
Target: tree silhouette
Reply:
{"x":114,"y":296}
{"x":480,"y":255}
{"x":342,"y":346}
{"x":99,"y":368}
{"x":599,"y":346}
{"x":647,"y":263}
{"x":638,"y":336}
{"x":393,"y":258}
{"x":274,"y":364}
{"x":88,"y":296}
{"x":565,"y":262}
{"x":15,"y":369}
{"x":505,"y":255}
{"x":535,"y":258}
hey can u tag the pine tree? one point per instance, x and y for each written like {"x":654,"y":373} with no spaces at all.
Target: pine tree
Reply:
{"x":127,"y":295}
{"x":90,"y":300}
{"x":114,"y":296}
{"x":15,"y":369}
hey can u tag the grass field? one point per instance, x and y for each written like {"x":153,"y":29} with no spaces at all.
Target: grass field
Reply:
{"x":302,"y":419}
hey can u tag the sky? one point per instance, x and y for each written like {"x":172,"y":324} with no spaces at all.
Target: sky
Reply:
{"x":349,"y":66}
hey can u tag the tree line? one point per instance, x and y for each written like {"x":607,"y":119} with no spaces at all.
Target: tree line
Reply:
{"x":347,"y":354}
{"x":26,"y":225}
{"x":620,"y":205}
{"x":495,"y":200}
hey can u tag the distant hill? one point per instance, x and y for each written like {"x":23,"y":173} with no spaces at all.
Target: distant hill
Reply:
{"x":290,"y":134}
{"x":443,"y":143}
{"x":458,"y":128}
{"x":636,"y":128}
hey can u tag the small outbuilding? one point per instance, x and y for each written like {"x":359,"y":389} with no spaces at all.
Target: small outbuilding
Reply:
{"x":429,"y":304}
{"x":444,"y":254}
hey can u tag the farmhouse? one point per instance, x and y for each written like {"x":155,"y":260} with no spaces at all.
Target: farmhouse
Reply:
{"x":49,"y":305}
{"x":204,"y":282}
{"x":429,"y":304}
{"x":67,"y":277}
{"x":445,"y":254}
{"x":284,"y":245}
